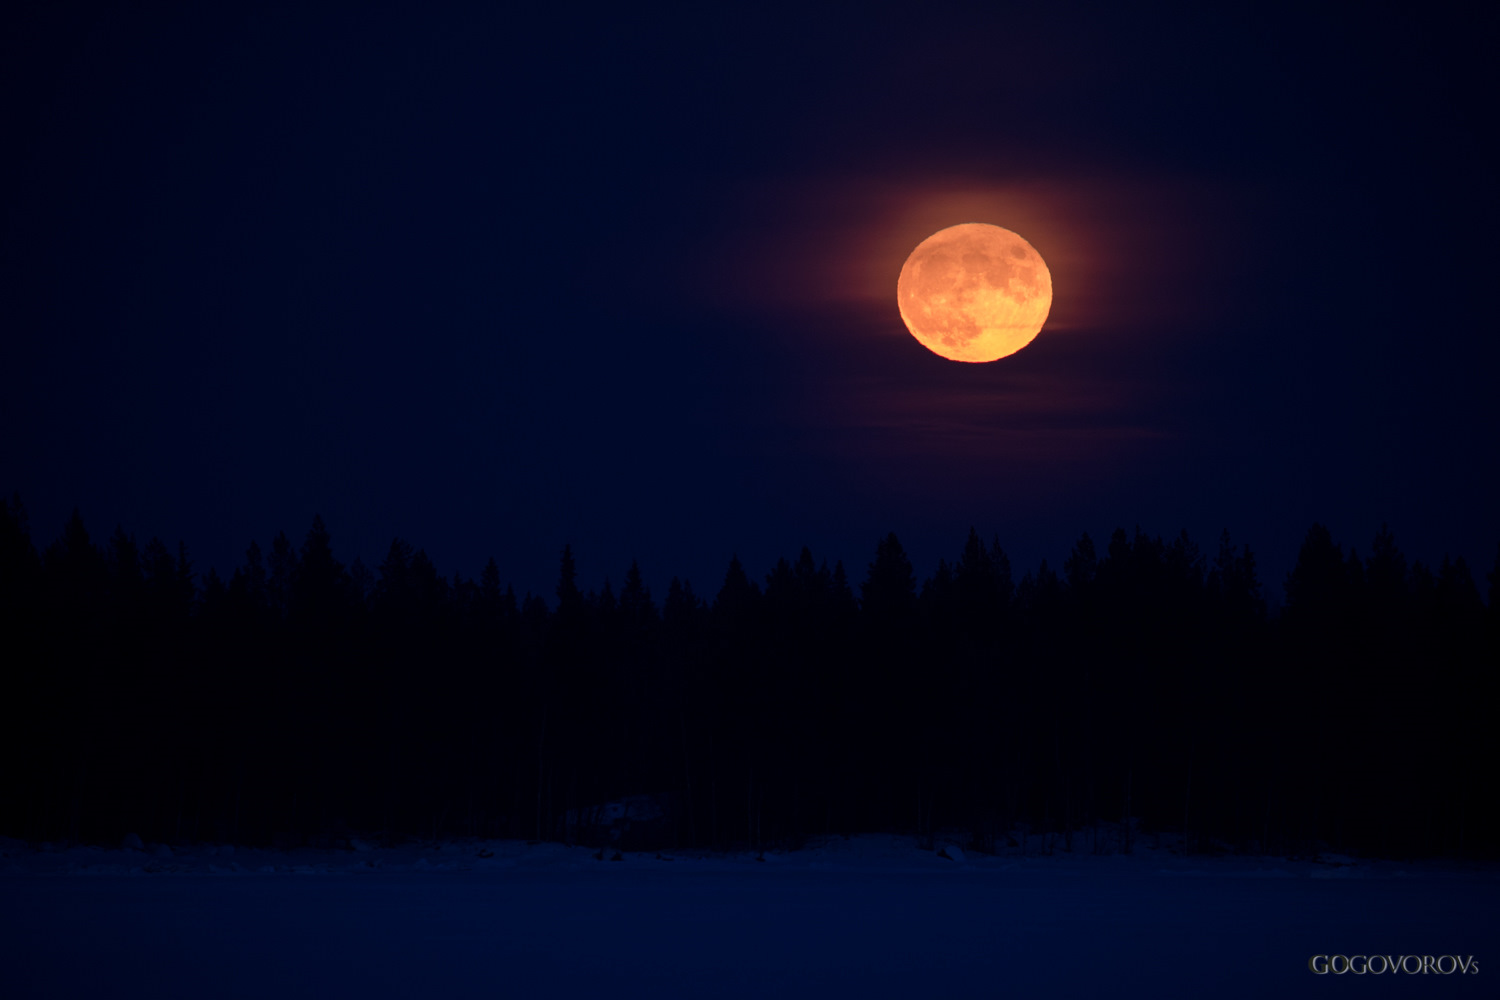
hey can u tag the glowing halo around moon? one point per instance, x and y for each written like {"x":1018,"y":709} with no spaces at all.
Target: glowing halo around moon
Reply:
{"x":974,"y":292}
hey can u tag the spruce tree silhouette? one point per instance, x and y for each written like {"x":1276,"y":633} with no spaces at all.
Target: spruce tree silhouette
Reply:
{"x":18,"y":555}
{"x":1004,"y":580}
{"x":636,"y":607}
{"x":813,"y":583}
{"x":976,"y":590}
{"x":889,"y":594}
{"x":74,"y":571}
{"x":393,"y":597}
{"x":1080,"y":569}
{"x":736,"y":606}
{"x":429,"y":590}
{"x":683,"y":609}
{"x":782,"y":593}
{"x":937,"y":600}
{"x":361,"y":583}
{"x":214,"y":606}
{"x":1091,"y":601}
{"x":842,"y":607}
{"x":167,"y":597}
{"x":569,"y":598}
{"x":1234,"y":583}
{"x":1184,"y":566}
{"x":492,"y":609}
{"x":249,"y":588}
{"x":127,"y":580}
{"x":884,"y":717}
{"x":603,"y":609}
{"x":1385,"y":576}
{"x":320,"y":592}
{"x":1319,"y":583}
{"x":282,"y":572}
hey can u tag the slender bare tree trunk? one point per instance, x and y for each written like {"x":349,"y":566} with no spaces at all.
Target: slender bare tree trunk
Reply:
{"x":750,"y":807}
{"x":239,"y":789}
{"x":1265,"y":823}
{"x":515,"y":796}
{"x":541,"y":750}
{"x":1187,"y":796}
{"x":687,"y":769}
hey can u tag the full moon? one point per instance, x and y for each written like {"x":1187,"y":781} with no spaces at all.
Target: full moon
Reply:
{"x":974,"y":292}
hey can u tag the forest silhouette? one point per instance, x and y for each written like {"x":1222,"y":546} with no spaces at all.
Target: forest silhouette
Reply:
{"x":1143,"y":687}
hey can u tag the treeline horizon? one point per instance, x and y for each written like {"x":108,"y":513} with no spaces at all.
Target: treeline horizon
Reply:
{"x":1141,"y":686}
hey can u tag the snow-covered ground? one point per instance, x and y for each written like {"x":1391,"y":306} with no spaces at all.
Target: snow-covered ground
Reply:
{"x":870,"y":916}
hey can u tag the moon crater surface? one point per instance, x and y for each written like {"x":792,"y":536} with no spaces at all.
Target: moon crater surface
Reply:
{"x":974,"y":292}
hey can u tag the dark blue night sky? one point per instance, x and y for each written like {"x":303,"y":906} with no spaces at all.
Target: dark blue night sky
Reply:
{"x":494,"y":283}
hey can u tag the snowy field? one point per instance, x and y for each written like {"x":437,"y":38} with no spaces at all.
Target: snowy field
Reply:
{"x":870,"y":917}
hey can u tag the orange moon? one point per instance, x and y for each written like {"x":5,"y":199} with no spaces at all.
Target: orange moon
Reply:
{"x":974,"y":292}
